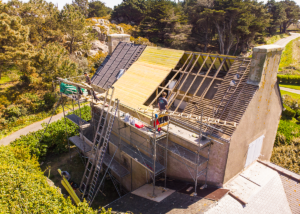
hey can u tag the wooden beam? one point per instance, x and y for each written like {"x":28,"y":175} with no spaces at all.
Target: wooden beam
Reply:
{"x":203,"y":79}
{"x":203,"y":95}
{"x":201,"y":75}
{"x":214,"y":62}
{"x":169,"y":104}
{"x":195,"y":77}
{"x":170,"y":81}
{"x":85,"y":86}
{"x":205,"y":62}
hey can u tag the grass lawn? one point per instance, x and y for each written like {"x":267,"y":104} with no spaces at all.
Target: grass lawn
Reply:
{"x":293,"y":95}
{"x":297,"y":87}
{"x":4,"y":80}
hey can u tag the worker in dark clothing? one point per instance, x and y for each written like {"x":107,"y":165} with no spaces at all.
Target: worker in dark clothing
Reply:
{"x":90,"y":92}
{"x":87,"y":79}
{"x":163,"y":105}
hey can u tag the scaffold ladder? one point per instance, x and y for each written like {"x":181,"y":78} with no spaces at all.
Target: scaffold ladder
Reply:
{"x":96,"y":143}
{"x":103,"y":149}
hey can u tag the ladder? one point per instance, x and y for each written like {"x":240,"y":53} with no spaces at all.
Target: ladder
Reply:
{"x":103,"y":148}
{"x":90,"y":165}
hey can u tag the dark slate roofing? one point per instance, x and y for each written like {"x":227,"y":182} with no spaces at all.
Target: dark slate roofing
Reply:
{"x":124,"y":55}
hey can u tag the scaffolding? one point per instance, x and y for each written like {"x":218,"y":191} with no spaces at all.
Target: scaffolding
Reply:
{"x":146,"y":146}
{"x":144,"y":150}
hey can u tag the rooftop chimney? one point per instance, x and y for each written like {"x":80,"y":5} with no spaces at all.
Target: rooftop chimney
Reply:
{"x":265,"y":59}
{"x":114,"y":39}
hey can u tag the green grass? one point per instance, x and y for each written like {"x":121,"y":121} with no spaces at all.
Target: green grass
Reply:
{"x":275,"y":38}
{"x":293,"y":95}
{"x":297,"y":87}
{"x":4,"y":80}
{"x":286,"y":56}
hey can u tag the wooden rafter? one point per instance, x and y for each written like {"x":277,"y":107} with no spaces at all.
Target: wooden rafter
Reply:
{"x":181,"y":85}
{"x":201,"y":75}
{"x":195,"y":77}
{"x":178,"y":81}
{"x":202,"y":81}
{"x":214,"y":61}
{"x":205,"y":62}
{"x":171,"y":80}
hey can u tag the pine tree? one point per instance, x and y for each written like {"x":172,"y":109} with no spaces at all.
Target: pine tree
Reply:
{"x":98,"y":9}
{"x":41,"y":17}
{"x":15,"y":50}
{"x":83,"y":6}
{"x":53,"y":61}
{"x":74,"y":27}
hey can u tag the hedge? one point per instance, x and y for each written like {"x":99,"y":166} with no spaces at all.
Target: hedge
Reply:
{"x":289,"y":79}
{"x":24,"y":188}
{"x":288,"y":112}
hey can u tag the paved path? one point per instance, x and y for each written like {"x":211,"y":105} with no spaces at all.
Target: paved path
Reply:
{"x":290,"y":90}
{"x":31,"y":128}
{"x":285,"y":41}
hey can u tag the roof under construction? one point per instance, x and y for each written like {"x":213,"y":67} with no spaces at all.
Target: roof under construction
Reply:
{"x":196,"y":83}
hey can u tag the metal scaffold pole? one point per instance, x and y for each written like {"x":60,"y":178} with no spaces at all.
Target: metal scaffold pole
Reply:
{"x":62,"y":103}
{"x":166,"y":153}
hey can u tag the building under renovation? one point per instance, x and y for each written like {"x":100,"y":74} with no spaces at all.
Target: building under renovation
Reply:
{"x":223,"y":113}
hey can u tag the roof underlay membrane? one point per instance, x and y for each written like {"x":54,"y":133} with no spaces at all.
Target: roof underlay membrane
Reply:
{"x":145,"y":75}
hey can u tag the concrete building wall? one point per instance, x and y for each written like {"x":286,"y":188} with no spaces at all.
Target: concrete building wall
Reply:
{"x":263,"y":113}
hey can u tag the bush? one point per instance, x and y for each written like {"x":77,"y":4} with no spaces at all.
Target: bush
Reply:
{"x":24,"y":188}
{"x":49,"y":100}
{"x":288,"y":112}
{"x":287,"y":157}
{"x":15,"y":111}
{"x":289,"y":79}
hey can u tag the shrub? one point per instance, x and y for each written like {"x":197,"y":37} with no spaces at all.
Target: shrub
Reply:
{"x":24,"y":188}
{"x":288,"y":112}
{"x":297,"y":113}
{"x":49,"y":100}
{"x":289,"y":79}
{"x":287,"y":157}
{"x":13,"y":111}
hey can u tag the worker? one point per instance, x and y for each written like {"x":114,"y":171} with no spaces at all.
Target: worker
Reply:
{"x":66,"y":175}
{"x":87,"y":79}
{"x":163,"y":105}
{"x":90,"y":92}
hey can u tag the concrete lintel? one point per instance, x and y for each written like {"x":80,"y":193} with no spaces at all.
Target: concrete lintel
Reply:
{"x":119,"y":35}
{"x":268,"y":48}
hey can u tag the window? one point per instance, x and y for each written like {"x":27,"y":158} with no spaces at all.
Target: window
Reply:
{"x":254,"y":150}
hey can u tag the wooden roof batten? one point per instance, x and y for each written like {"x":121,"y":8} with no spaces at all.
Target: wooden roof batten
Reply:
{"x":215,"y":66}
